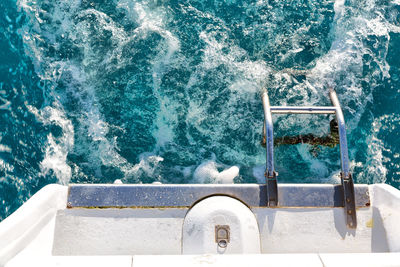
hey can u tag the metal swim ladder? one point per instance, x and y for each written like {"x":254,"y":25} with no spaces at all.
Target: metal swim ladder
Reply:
{"x":345,"y":175}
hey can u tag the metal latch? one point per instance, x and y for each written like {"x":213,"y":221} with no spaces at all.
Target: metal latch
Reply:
{"x":222,"y":235}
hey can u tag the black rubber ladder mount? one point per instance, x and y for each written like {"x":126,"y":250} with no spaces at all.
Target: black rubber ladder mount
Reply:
{"x":268,"y":136}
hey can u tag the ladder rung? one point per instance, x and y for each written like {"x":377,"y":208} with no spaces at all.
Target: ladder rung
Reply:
{"x":302,"y":110}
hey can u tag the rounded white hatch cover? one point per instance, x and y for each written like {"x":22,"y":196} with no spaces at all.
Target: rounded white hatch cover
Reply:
{"x":220,"y":225}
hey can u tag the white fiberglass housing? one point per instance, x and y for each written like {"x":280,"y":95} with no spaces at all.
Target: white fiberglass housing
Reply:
{"x":195,"y":225}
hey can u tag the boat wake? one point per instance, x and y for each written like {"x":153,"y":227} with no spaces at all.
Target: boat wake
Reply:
{"x":160,"y":91}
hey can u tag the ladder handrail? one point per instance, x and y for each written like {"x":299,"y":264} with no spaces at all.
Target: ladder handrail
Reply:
{"x":270,"y":174}
{"x":344,"y":156}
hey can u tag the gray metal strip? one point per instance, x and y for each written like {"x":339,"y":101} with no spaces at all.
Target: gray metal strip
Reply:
{"x":254,"y":195}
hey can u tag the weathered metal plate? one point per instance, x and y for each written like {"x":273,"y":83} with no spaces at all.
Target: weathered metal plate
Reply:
{"x":253,"y":195}
{"x":159,"y":195}
{"x":319,"y":195}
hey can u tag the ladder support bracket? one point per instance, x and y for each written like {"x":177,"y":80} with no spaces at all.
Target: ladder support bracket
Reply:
{"x":349,"y":201}
{"x":272,"y":189}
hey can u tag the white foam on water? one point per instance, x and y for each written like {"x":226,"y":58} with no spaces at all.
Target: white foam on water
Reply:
{"x":249,"y":75}
{"x":100,"y":149}
{"x":317,"y":167}
{"x":6,"y":105}
{"x":207,"y":172}
{"x":57,"y":148}
{"x":152,"y":20}
{"x":6,"y":168}
{"x":73,"y":25}
{"x":186,"y":171}
{"x":259,"y":174}
{"x":223,"y":64}
{"x":334,"y":177}
{"x":91,"y":124}
{"x":343,"y":68}
{"x":375,"y":170}
{"x":84,"y":34}
{"x":5,"y":148}
{"x":148,"y":165}
{"x":243,"y":81}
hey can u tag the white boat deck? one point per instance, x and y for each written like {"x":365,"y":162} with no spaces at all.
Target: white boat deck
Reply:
{"x":44,"y":232}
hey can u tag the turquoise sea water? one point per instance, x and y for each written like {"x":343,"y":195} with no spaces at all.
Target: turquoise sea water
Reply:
{"x":92,"y":91}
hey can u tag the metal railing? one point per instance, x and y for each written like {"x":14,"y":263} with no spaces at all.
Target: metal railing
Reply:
{"x":345,"y":175}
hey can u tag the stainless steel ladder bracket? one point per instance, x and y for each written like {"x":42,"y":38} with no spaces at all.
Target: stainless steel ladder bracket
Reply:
{"x":272,"y":189}
{"x":349,"y":201}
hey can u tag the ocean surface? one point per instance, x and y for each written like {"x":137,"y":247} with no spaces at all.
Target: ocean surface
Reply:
{"x":97,"y":90}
